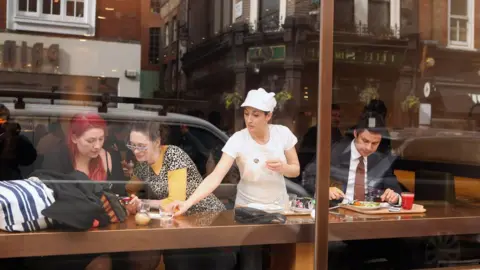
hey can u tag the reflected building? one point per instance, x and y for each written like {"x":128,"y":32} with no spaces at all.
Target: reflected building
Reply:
{"x":450,"y":63}
{"x":234,"y":46}
{"x":70,"y":46}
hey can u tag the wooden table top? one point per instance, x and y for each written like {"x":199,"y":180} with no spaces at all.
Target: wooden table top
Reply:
{"x":217,"y":230}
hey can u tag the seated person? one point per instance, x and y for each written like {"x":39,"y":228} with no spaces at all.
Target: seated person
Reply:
{"x":169,"y":174}
{"x":15,"y":149}
{"x":357,"y":166}
{"x":84,"y":152}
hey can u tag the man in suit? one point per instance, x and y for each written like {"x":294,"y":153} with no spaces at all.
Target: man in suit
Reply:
{"x":352,"y":179}
{"x":357,"y":168}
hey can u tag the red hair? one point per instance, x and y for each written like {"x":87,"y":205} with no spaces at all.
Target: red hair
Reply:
{"x":79,"y":124}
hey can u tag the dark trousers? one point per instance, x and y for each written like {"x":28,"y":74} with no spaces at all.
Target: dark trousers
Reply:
{"x":354,"y":254}
{"x":200,"y":259}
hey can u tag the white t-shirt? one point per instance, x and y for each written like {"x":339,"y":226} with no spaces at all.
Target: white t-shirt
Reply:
{"x":257,"y":183}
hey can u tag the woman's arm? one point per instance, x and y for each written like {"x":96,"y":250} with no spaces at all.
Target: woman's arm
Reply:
{"x":291,"y":168}
{"x":209,"y":184}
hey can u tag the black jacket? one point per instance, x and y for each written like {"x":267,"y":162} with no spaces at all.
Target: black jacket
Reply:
{"x":15,"y":150}
{"x":77,"y":203}
{"x":60,"y":161}
{"x":379,"y":171}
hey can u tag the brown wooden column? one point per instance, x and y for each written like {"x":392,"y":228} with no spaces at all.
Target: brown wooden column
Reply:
{"x":323,"y":136}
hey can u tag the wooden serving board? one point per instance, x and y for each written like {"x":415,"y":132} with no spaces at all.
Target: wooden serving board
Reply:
{"x":292,"y":213}
{"x":416,"y":209}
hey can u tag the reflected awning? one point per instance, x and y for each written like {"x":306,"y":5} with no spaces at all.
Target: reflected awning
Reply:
{"x":457,"y":97}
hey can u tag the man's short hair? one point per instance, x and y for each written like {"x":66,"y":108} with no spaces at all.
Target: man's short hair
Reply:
{"x":335,"y":107}
{"x":372,"y":122}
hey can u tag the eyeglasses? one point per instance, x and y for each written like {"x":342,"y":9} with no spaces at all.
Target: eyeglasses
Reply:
{"x":140,"y":148}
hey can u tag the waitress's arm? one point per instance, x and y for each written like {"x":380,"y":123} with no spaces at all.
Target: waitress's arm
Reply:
{"x":211,"y":182}
{"x":292,"y":167}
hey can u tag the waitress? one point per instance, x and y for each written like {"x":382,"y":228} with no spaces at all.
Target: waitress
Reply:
{"x":264,"y":153}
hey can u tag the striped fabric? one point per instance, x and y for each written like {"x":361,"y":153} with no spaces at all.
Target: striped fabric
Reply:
{"x":21,"y":204}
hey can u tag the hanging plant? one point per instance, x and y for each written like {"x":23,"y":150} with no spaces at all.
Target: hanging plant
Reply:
{"x":368,"y":94}
{"x":411,"y":103}
{"x":282,"y":97}
{"x":234,"y":99}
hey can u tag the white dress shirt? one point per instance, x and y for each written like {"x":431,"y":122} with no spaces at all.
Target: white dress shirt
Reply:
{"x":352,"y":172}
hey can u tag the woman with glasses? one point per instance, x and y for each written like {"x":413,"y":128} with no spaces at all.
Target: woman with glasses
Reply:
{"x":166,"y":169}
{"x":170,"y":174}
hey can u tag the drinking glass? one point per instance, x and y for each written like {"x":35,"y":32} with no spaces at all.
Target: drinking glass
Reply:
{"x":165,"y":215}
{"x":292,"y":201}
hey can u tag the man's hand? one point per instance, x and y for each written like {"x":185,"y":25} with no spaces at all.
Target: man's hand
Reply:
{"x":390,"y":196}
{"x":335,"y":194}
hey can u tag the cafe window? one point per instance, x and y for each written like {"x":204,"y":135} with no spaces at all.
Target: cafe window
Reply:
{"x":153,"y":50}
{"x":269,"y":15}
{"x":155,"y":6}
{"x":167,"y":34}
{"x":344,"y":19}
{"x":71,"y":17}
{"x":378,"y":14}
{"x":461,"y":28}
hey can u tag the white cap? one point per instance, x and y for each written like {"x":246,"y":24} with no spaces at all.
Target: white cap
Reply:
{"x":261,"y":100}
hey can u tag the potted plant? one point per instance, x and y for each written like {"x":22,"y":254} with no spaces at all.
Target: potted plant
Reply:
{"x":282,"y":97}
{"x":234,"y":99}
{"x":368,"y":94}
{"x":411,"y":103}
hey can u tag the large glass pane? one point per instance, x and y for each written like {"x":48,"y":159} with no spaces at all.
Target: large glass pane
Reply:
{"x":459,"y":7}
{"x":51,"y":7}
{"x":22,"y":5}
{"x":407,"y":122}
{"x":269,"y":15}
{"x":202,"y":134}
{"x":32,"y":5}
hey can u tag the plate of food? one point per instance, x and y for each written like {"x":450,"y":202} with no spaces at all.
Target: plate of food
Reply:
{"x":363,"y":205}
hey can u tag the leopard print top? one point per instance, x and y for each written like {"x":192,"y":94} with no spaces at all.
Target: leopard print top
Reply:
{"x":174,"y":159}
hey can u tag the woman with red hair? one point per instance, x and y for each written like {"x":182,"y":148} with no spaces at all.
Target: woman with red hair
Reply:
{"x":84,"y":152}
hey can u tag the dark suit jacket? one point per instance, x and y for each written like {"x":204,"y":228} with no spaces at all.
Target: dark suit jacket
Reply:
{"x":379,"y":168}
{"x":379,"y":171}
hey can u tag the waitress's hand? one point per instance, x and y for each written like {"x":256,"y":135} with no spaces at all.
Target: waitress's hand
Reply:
{"x":133,"y":205}
{"x":275,"y":165}
{"x":178,"y":207}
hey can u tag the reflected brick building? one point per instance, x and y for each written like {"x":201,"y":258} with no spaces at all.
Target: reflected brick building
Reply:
{"x":97,"y":46}
{"x":450,"y":62}
{"x":234,"y":46}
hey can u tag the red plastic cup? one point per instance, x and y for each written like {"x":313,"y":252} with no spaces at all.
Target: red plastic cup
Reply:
{"x":407,"y":200}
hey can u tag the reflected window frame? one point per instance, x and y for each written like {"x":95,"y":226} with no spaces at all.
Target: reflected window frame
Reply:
{"x":35,"y":20}
{"x":454,"y":42}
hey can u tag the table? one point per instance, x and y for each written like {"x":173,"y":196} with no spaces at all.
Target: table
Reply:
{"x":293,"y":240}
